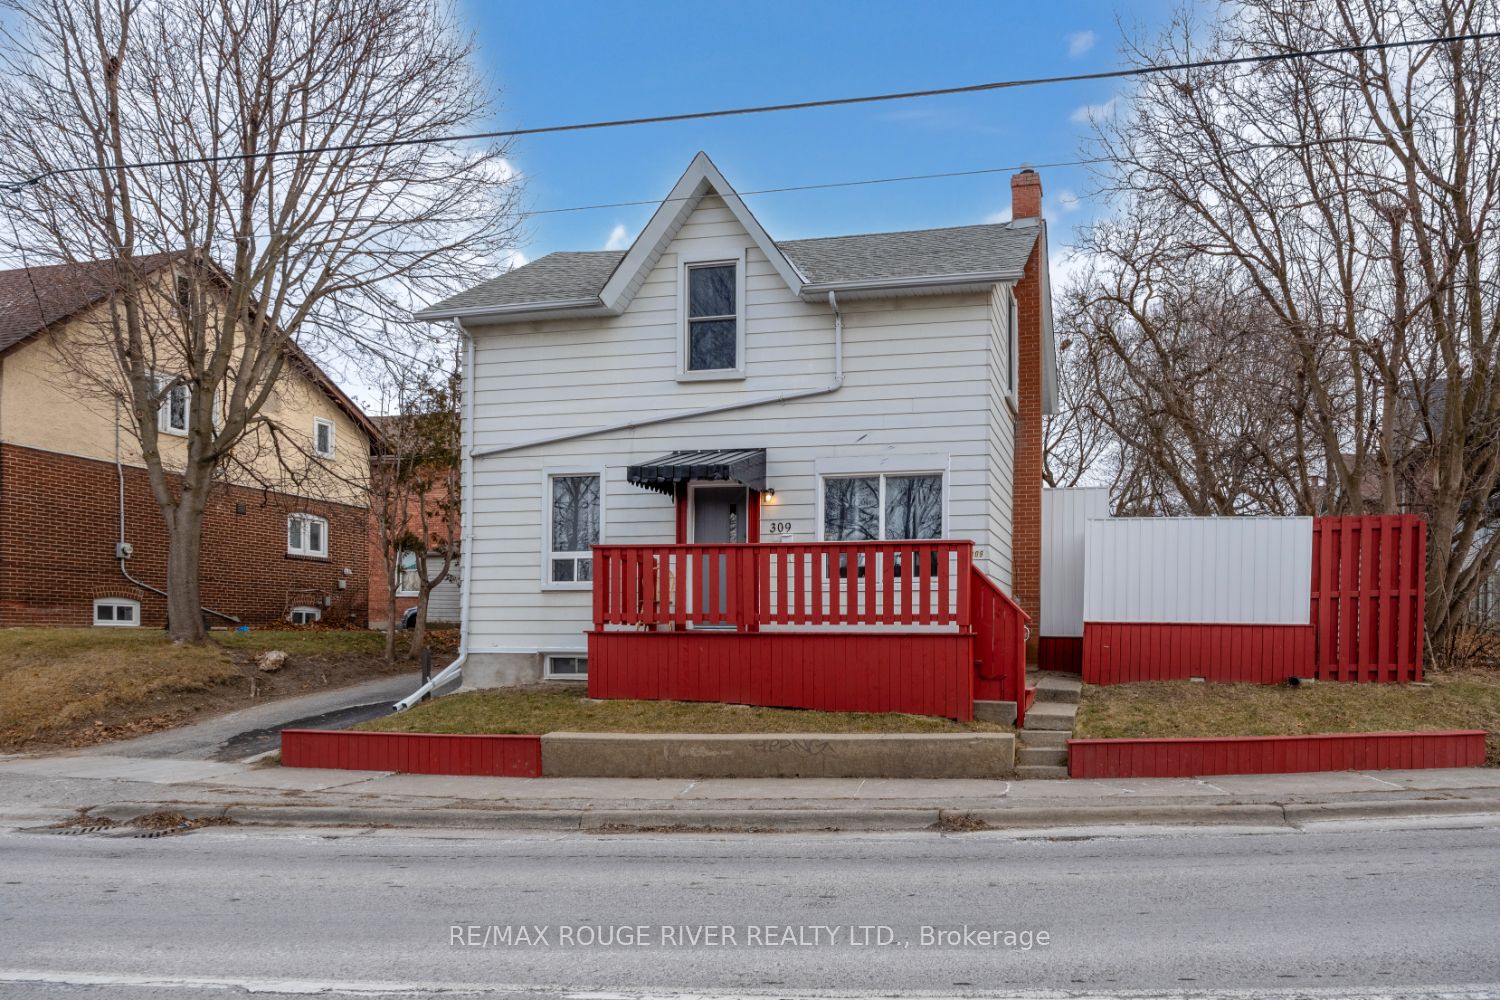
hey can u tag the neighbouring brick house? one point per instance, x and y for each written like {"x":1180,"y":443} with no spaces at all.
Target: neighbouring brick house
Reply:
{"x":73,"y":485}
{"x":443,"y":605}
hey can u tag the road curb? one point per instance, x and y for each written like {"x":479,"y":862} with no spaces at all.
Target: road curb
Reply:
{"x":805,"y":820}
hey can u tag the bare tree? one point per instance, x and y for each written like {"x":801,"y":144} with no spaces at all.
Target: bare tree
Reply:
{"x":416,"y":491}
{"x":233,"y":136}
{"x":1341,"y":211}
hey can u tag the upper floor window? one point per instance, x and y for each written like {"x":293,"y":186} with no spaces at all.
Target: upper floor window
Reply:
{"x":575,"y":527}
{"x":713,"y":322}
{"x":173,"y":416}
{"x":323,"y":437}
{"x":306,"y":535}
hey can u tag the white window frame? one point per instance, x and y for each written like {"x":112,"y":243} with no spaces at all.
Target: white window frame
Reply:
{"x":400,"y":574}
{"x":545,"y":523}
{"x":117,"y":602}
{"x":304,"y":609}
{"x":550,"y":674}
{"x":164,"y":410}
{"x":305,"y":551}
{"x":320,"y":422}
{"x":893,"y":465}
{"x":735,"y":258}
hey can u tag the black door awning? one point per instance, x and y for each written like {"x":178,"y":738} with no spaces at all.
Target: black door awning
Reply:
{"x":738,"y":465}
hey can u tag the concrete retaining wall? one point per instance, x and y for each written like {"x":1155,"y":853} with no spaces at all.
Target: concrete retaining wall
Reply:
{"x":789,"y":755}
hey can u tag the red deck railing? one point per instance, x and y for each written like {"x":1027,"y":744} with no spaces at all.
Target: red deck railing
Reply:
{"x":747,"y":586}
{"x":1000,"y":646}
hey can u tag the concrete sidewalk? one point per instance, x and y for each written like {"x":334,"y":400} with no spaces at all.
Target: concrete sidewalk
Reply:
{"x":43,"y":789}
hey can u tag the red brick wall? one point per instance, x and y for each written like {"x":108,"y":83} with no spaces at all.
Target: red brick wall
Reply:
{"x":379,"y":592}
{"x":59,"y":519}
{"x":1026,"y":483}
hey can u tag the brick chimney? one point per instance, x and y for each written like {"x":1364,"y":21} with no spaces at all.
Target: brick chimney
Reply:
{"x":1026,"y":195}
{"x":1026,"y":473}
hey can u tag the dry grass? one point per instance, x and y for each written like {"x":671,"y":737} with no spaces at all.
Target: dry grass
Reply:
{"x":1459,"y":700}
{"x":558,"y":708}
{"x":77,"y":686}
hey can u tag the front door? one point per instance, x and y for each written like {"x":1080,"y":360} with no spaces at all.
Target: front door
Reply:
{"x":718,"y":519}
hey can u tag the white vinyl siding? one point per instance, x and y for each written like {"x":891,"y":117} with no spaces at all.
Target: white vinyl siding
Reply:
{"x":921,"y":377}
{"x":1065,"y":517}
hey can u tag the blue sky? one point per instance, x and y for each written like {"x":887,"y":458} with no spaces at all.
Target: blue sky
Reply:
{"x":555,"y":63}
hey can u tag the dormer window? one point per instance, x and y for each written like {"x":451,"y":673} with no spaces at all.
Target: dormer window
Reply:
{"x":713,"y":339}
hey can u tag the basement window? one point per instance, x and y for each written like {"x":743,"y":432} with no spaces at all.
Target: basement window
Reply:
{"x":305,"y":615}
{"x":117,"y":612}
{"x":566,"y":668}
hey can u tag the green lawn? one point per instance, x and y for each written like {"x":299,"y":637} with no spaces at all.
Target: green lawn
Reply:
{"x":1466,"y":700}
{"x":564,"y":708}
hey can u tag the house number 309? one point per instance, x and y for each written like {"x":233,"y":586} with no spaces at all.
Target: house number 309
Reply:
{"x":780,"y":527}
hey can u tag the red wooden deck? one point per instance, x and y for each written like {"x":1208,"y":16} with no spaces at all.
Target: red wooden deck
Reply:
{"x":906,"y":626}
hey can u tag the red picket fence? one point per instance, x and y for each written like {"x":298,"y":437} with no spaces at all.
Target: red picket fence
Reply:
{"x":1369,"y":582}
{"x":780,"y":583}
{"x":999,"y":646}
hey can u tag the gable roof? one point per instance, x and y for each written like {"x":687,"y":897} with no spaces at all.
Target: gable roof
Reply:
{"x":33,"y":299}
{"x":602,"y":282}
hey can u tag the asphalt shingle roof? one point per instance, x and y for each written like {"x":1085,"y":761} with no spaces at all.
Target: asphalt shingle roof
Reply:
{"x":49,"y":294}
{"x":571,"y":276}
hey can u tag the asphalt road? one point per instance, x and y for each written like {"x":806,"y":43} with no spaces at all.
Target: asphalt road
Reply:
{"x":1369,"y":910}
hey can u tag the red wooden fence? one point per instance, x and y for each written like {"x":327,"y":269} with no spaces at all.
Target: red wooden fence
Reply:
{"x":781,"y":583}
{"x":1185,"y":758}
{"x":999,"y":646}
{"x":413,"y":753}
{"x":1369,"y":580}
{"x":1127,"y":652}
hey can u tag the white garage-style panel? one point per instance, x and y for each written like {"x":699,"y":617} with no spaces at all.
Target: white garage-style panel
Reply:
{"x":1229,"y":570}
{"x":1065,"y":512}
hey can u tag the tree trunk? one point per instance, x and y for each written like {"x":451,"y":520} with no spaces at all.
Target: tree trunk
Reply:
{"x":419,"y":627}
{"x":184,"y":547}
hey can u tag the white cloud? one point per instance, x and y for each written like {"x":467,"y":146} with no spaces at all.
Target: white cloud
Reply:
{"x":996,"y":218}
{"x":1094,"y":112}
{"x":1080,"y":42}
{"x":1067,"y":202}
{"x":618,"y":239}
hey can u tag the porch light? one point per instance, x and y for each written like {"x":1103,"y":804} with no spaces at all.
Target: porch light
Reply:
{"x":768,"y":495}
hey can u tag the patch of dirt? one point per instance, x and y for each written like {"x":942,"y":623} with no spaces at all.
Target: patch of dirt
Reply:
{"x":686,"y":828}
{"x":960,"y":823}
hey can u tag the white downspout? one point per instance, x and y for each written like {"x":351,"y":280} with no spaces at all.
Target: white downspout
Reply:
{"x":466,"y":532}
{"x":707,"y":411}
{"x":467,"y":475}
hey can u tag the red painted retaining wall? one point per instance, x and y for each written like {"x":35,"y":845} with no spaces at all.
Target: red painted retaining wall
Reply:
{"x":1125,"y":652}
{"x":1060,"y":652}
{"x":920,"y":673}
{"x":413,"y":753}
{"x":1185,"y":758}
{"x":1369,"y":580}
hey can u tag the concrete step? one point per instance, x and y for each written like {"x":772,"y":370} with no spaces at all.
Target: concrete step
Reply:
{"x":1055,"y":687}
{"x":1051,"y":715}
{"x":1054,"y":740}
{"x":1041,"y":771}
{"x":1042,"y":756}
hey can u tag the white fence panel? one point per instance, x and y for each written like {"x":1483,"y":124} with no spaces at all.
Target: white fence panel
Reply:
{"x":1065,"y":512}
{"x":1229,"y":570}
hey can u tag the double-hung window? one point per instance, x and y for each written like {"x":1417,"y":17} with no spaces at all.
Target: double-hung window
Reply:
{"x":882,"y":507}
{"x":713,"y":342}
{"x":574,"y":508}
{"x":172,"y":418}
{"x":306,"y":535}
{"x":322,"y":437}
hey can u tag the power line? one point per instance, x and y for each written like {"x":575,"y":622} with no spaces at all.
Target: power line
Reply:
{"x":907,"y":95}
